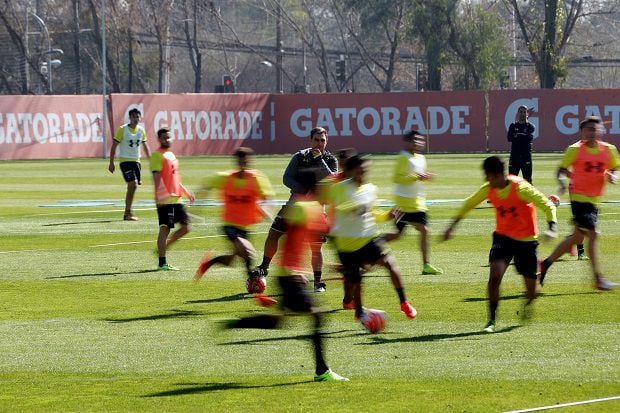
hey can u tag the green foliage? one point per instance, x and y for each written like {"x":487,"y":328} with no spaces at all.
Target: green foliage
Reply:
{"x":87,"y":324}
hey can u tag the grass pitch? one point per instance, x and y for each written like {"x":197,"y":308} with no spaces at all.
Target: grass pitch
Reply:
{"x":88,"y":324}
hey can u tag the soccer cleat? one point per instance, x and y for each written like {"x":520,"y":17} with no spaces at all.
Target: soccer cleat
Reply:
{"x":320,"y":287}
{"x":603,"y":284}
{"x":542,"y":271}
{"x":329,"y":376}
{"x":168,"y":267}
{"x":408,"y":309}
{"x":490,"y":327}
{"x":431,"y":270}
{"x":130,"y":217}
{"x":581,"y":256}
{"x":264,"y":300}
{"x":259,"y":272}
{"x":348,"y":305}
{"x":205,"y":264}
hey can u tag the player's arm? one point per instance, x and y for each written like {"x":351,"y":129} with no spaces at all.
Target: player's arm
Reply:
{"x":614,"y":163}
{"x":563,"y":172}
{"x":265,"y":189}
{"x":511,"y":132}
{"x":145,"y":147}
{"x":288,"y":179}
{"x":111,"y":166}
{"x":470,"y":203}
{"x":529,"y":193}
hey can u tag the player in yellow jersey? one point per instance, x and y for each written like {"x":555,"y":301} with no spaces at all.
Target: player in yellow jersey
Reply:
{"x":516,"y":232}
{"x":589,"y":163}
{"x":241,"y":191}
{"x":169,"y":193}
{"x":129,"y":138}
{"x":409,"y":177}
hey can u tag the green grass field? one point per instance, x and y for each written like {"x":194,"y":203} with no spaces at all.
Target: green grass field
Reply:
{"x":88,"y":324}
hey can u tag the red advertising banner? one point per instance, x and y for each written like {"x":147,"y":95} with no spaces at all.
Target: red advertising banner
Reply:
{"x":42,"y":127}
{"x":555,"y":114}
{"x":275,"y":124}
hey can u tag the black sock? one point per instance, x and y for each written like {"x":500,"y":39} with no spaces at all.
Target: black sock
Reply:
{"x":492,"y":310}
{"x":317,"y":276}
{"x":321,"y":366}
{"x":162,"y":261}
{"x":401,"y":294}
{"x":248,"y":265}
{"x":580,"y":249}
{"x":266,"y":261}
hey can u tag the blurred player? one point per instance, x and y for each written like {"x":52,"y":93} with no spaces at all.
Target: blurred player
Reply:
{"x":241,"y":190}
{"x":409,"y":176}
{"x":588,"y":163}
{"x":169,"y":192}
{"x":305,"y":223}
{"x":356,"y":235}
{"x":130,"y":137}
{"x":516,"y":232}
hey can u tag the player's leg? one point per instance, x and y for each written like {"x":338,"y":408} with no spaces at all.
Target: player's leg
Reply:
{"x":317,"y":266}
{"x":129,"y":196}
{"x":527,"y":170}
{"x":500,"y":256}
{"x":401,"y":225}
{"x":388,"y":262}
{"x":277,"y":229}
{"x":526,"y":261}
{"x":420,"y":223}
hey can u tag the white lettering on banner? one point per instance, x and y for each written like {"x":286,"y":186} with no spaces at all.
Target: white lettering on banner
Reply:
{"x":64,"y":128}
{"x":185,"y":125}
{"x":567,"y":118}
{"x":369,"y":121}
{"x":513,"y":108}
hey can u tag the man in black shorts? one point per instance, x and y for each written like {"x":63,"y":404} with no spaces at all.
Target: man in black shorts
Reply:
{"x":521,"y":135}
{"x":322,"y":163}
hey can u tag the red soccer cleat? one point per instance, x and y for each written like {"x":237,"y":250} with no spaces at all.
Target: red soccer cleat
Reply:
{"x":264,"y":300}
{"x":408,"y":309}
{"x":205,"y":264}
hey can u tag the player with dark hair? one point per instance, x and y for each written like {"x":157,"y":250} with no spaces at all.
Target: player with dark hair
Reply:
{"x":521,"y":135}
{"x":356,"y":236}
{"x":322,"y":163}
{"x":516,"y":232}
{"x":409,"y":177}
{"x":305,"y":225}
{"x":130,"y":137}
{"x":241,"y":190}
{"x":589,"y":163}
{"x":169,"y":192}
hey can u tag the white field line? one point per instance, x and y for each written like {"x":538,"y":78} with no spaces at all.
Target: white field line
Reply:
{"x":152,"y":241}
{"x":557,"y":406}
{"x":89,"y":212}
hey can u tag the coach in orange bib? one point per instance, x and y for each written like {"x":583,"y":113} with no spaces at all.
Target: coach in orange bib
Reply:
{"x":588,"y":163}
{"x":516,"y":232}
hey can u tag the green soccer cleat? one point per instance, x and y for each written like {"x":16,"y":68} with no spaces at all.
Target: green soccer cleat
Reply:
{"x":490,"y":328}
{"x":429,"y":269}
{"x":168,"y":267}
{"x":329,"y":376}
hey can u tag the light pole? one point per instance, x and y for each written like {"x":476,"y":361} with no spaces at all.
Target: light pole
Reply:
{"x":46,"y":67}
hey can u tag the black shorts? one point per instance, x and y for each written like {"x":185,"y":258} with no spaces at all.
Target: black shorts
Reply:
{"x":279,"y":224}
{"x":410,"y":218}
{"x":523,"y":252}
{"x":170,"y":214}
{"x":295,"y":296}
{"x":131,"y":171}
{"x":368,"y":254}
{"x":233,"y":232}
{"x":585,"y":215}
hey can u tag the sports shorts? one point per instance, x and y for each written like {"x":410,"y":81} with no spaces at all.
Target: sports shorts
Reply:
{"x":368,"y":254}
{"x":524,"y":254}
{"x":171,"y":214}
{"x":131,"y":171}
{"x":585,"y":214}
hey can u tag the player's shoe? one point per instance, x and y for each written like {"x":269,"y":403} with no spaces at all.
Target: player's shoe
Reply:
{"x":203,"y":266}
{"x":542,"y":271}
{"x":581,"y":256}
{"x":168,"y":267}
{"x":348,"y":305}
{"x":603,"y":284}
{"x":259,"y":272}
{"x":264,"y":300}
{"x":490,"y":327}
{"x":329,"y":376}
{"x":320,"y":287}
{"x":408,"y":309}
{"x":429,"y":269}
{"x":130,"y":217}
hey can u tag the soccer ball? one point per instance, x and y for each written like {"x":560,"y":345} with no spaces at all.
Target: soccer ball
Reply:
{"x":554,"y":199}
{"x":256,"y":285}
{"x":374,"y":320}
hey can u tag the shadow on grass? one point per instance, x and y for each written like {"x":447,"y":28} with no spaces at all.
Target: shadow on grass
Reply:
{"x":304,"y":337}
{"x":435,"y":337}
{"x":225,"y":299}
{"x":193,"y":388}
{"x":173,"y":314}
{"x":102,"y":274}
{"x":76,"y":223}
{"x":519,"y":296}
